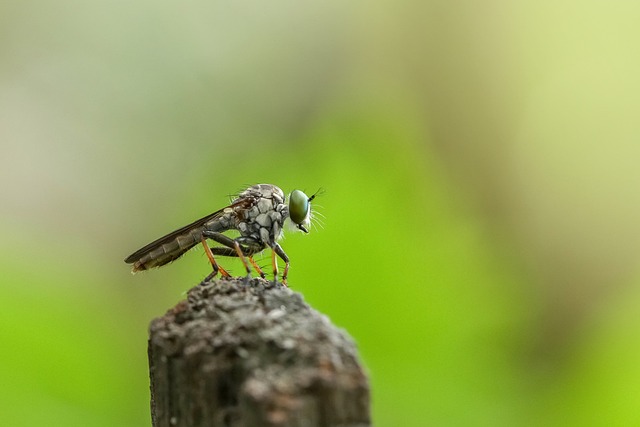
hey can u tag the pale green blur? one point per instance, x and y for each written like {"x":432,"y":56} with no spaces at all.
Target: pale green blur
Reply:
{"x":478,"y":236}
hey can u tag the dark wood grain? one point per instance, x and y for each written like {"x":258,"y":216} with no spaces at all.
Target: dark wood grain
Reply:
{"x":254,"y":354}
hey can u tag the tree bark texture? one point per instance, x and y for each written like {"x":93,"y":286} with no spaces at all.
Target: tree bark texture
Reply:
{"x":253,"y":354}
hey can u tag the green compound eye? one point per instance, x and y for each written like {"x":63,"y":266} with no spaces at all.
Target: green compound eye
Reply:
{"x":299,"y":207}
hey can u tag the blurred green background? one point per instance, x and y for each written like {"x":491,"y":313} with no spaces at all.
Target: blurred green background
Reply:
{"x":481,"y":233}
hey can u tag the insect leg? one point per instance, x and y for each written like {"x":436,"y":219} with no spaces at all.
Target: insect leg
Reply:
{"x":257,"y":267}
{"x":213,"y":262}
{"x":274,"y":263}
{"x":249,"y":247}
{"x":277,"y":249}
{"x":229,"y":243}
{"x":253,"y":246}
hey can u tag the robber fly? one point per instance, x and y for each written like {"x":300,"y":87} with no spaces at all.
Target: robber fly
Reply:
{"x":258,"y":213}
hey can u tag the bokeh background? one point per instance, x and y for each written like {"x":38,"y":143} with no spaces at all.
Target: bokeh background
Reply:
{"x":480,"y":239}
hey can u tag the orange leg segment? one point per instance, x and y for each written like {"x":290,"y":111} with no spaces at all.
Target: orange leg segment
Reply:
{"x":212,"y":260}
{"x":236,"y":246}
{"x":274,"y":263}
{"x":257,"y":267}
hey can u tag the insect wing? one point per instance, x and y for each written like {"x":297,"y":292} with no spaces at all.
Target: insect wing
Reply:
{"x":181,"y":231}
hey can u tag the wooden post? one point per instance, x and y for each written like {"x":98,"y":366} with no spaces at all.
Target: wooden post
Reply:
{"x":238,"y":354}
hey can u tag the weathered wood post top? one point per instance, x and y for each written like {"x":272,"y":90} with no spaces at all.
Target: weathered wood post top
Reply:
{"x":253,"y":354}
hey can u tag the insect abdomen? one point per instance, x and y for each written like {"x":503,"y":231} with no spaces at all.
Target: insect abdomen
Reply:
{"x":168,"y":251}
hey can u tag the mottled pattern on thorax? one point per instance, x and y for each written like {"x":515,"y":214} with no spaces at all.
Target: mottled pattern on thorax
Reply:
{"x":264,"y":218}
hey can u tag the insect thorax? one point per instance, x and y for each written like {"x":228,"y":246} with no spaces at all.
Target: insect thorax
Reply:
{"x":264,"y":219}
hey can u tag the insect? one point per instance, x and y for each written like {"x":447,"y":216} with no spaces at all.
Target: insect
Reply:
{"x":258,"y":213}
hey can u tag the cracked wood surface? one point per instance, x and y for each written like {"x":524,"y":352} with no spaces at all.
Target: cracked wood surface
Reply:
{"x":254,"y":354}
